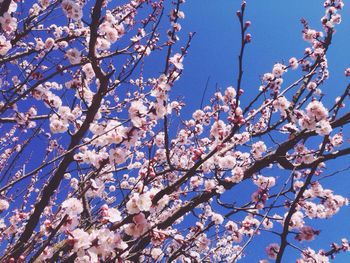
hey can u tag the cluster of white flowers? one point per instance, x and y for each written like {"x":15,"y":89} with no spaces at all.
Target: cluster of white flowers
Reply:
{"x":176,"y":60}
{"x":137,"y":113}
{"x":111,"y":29}
{"x":329,"y":206}
{"x":8,"y":23}
{"x":59,"y":122}
{"x":96,"y":245}
{"x":72,"y":9}
{"x":227,"y":162}
{"x":273,"y":80}
{"x":139,"y":202}
{"x":72,"y":207}
{"x":264,"y":182}
{"x":281,"y":104}
{"x":118,"y":155}
{"x":293,"y":63}
{"x":110,"y":214}
{"x":74,"y":56}
{"x":316,"y":118}
{"x":258,"y":149}
{"x":237,"y":175}
{"x":139,"y":226}
{"x":309,"y":255}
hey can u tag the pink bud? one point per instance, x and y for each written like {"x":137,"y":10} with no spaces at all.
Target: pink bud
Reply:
{"x":248,"y":38}
{"x":104,"y":207}
{"x":347,"y":72}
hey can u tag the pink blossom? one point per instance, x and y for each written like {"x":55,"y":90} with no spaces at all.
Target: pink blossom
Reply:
{"x":80,"y":239}
{"x":8,"y":23}
{"x":293,"y":62}
{"x":347,"y":72}
{"x":73,"y":55}
{"x":272,"y":250}
{"x":4,"y":205}
{"x":139,"y":203}
{"x":306,"y":233}
{"x":139,"y":227}
{"x":176,"y":60}
{"x":113,"y":215}
{"x":5,"y":45}
{"x":72,"y":206}
{"x":72,"y":10}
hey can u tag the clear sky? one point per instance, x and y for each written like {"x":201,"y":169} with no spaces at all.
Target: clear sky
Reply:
{"x":276,"y":32}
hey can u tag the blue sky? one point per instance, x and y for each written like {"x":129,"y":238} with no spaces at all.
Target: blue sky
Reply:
{"x":276,"y":32}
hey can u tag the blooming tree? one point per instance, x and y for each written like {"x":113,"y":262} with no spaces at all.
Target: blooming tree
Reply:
{"x":97,"y":164}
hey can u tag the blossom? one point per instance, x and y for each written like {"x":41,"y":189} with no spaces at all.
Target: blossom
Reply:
{"x":137,"y":112}
{"x":83,"y":259}
{"x":139,"y":203}
{"x":89,"y":71}
{"x":272,"y":250}
{"x":230,"y":93}
{"x":297,"y":220}
{"x":218,"y":129}
{"x":227,"y":162}
{"x":217,"y":218}
{"x":293,"y":63}
{"x":203,"y":242}
{"x":80,"y":239}
{"x":198,"y":115}
{"x":309,"y":35}
{"x":337,"y":140}
{"x":209,"y":185}
{"x":103,"y":242}
{"x":112,"y":35}
{"x":157,"y":253}
{"x":49,"y":43}
{"x":312,"y":85}
{"x":309,"y":255}
{"x":57,"y":125}
{"x":316,"y":110}
{"x":323,"y":128}
{"x":258,"y":149}
{"x":278,"y":70}
{"x":44,"y":3}
{"x":176,"y":60}
{"x":118,"y":155}
{"x":8,"y":23}
{"x":72,"y":206}
{"x":347,"y":72}
{"x":4,"y":205}
{"x":113,"y":215}
{"x":144,"y":202}
{"x":264,"y":181}
{"x":74,"y":56}
{"x":139,"y":227}
{"x":237,"y":175}
{"x":5,"y":45}
{"x":306,"y":233}
{"x":72,"y":10}
{"x":281,"y":104}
